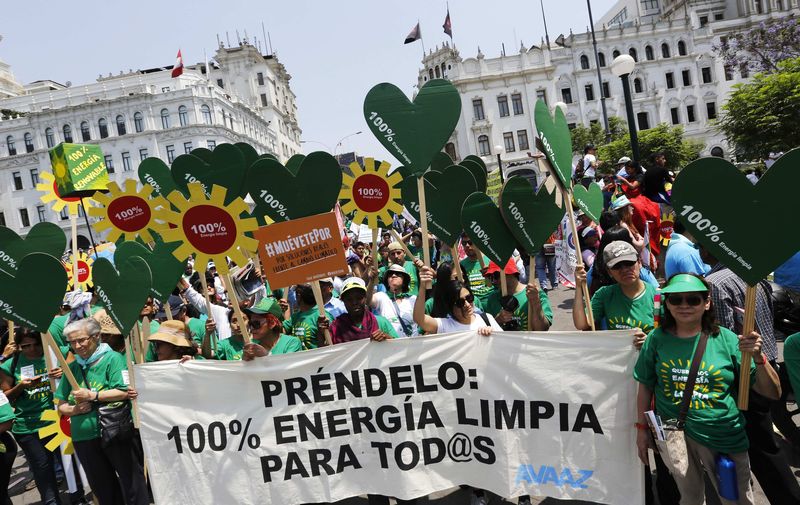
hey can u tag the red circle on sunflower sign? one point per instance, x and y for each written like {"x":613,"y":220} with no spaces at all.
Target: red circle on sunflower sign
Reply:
{"x":370,"y":193}
{"x":665,"y":230}
{"x":66,"y":425}
{"x":209,"y":229}
{"x":68,"y":199}
{"x":83,"y":271}
{"x":129,"y":213}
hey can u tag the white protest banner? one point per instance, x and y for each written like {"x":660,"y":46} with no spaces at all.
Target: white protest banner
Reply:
{"x":513,"y":413}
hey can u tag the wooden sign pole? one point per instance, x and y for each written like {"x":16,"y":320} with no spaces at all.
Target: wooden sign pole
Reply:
{"x":73,"y":221}
{"x":236,"y":309}
{"x":399,"y":240}
{"x":578,"y":258}
{"x":48,"y":362}
{"x":48,"y":339}
{"x":503,"y":287}
{"x":423,"y":218}
{"x":531,"y":280}
{"x":131,"y":379}
{"x":168,"y":311}
{"x":321,"y":308}
{"x":375,"y":253}
{"x":748,"y":325}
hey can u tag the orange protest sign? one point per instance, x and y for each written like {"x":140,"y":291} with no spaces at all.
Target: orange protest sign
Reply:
{"x":301,"y":250}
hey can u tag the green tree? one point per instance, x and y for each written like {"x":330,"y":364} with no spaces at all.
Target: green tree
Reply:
{"x":595,"y":134}
{"x":763,"y":116}
{"x":663,"y":137}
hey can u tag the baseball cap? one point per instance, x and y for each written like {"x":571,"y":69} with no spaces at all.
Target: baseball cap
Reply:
{"x":623,"y":160}
{"x":684,"y":283}
{"x":619,"y":251}
{"x":172,"y":332}
{"x":267,"y":305}
{"x":175,"y":304}
{"x":353,"y":283}
{"x":589,"y":232}
{"x":510,"y":269}
{"x":620,"y":202}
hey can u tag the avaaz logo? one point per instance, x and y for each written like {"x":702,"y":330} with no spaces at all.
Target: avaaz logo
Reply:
{"x":545,"y":474}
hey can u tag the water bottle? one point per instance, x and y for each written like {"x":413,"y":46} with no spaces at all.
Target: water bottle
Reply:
{"x":726,"y":477}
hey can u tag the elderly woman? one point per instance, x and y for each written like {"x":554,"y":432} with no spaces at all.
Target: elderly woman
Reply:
{"x":714,"y":426}
{"x":112,"y":465}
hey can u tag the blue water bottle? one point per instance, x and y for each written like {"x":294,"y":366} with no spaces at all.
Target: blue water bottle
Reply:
{"x":726,"y":478}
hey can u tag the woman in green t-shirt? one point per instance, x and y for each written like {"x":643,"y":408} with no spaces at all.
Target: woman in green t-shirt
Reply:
{"x":714,"y":425}
{"x":8,"y":449}
{"x":173,"y":341}
{"x":24,"y":380}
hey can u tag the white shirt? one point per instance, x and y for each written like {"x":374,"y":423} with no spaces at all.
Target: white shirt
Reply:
{"x":588,"y":165}
{"x":218,"y":313}
{"x":384,"y":307}
{"x":450,"y":325}
{"x":753,"y":178}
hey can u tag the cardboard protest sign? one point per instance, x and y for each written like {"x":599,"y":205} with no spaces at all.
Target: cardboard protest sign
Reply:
{"x":590,"y":201}
{"x":301,"y":250}
{"x":738,"y":222}
{"x":282,"y":196}
{"x":155,"y":173}
{"x":555,"y":136}
{"x":128,"y":213}
{"x":50,"y":195}
{"x":80,"y":169}
{"x":478,"y":171}
{"x":484,"y":224}
{"x":84,"y":280}
{"x":371,"y":194}
{"x":494,"y":184}
{"x":225,"y":167}
{"x":122,"y":288}
{"x":47,"y":238}
{"x":522,"y":413}
{"x":413,"y":132}
{"x":531,"y":216}
{"x":165,"y":268}
{"x":208,"y":227}
{"x":33,"y":295}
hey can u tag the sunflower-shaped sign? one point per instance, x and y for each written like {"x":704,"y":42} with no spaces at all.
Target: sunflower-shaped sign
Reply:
{"x":85,"y":280}
{"x":60,"y":427}
{"x":129,"y":213}
{"x":50,"y":194}
{"x":371,"y":194}
{"x":665,"y":230}
{"x":208,"y":227}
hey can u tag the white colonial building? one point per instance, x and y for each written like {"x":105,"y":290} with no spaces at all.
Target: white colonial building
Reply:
{"x":677,"y":78}
{"x":243,"y":96}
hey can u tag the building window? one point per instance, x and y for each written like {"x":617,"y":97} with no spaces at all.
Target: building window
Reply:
{"x":670,"y":80}
{"x":508,"y":140}
{"x":606,"y":90}
{"x":220,"y":83}
{"x":584,"y":62}
{"x":437,"y":72}
{"x":541,"y":94}
{"x":720,"y":16}
{"x":744,"y":71}
{"x":687,"y":77}
{"x":681,"y":48}
{"x":187,"y":147}
{"x":602,"y":59}
{"x":126,"y":162}
{"x":64,"y":214}
{"x":121,"y":130}
{"x":34,"y":177}
{"x":170,"y":154}
{"x":17,"y":180}
{"x":649,"y":4}
{"x":502,"y":104}
{"x":759,"y":7}
{"x":109,"y":161}
{"x":142,"y":154}
{"x":566,"y":95}
{"x":40,"y":213}
{"x":641,"y":118}
{"x":516,"y":104}
{"x":164,"y":119}
{"x":706,"y":73}
{"x":711,"y":110}
{"x":211,"y":144}
{"x":633,"y":54}
{"x":28,"y":142}
{"x":205,"y":111}
{"x":477,"y":109}
{"x":183,"y":116}
{"x":430,"y":73}
{"x":522,"y":140}
{"x":648,"y":53}
{"x":102,"y":125}
{"x":24,"y":220}
{"x":260,"y":78}
{"x":85,"y":133}
{"x":483,"y":145}
{"x":619,"y":18}
{"x":664,"y":50}
{"x":637,"y":85}
{"x":690,"y":113}
{"x":49,"y":137}
{"x":728,"y":73}
{"x":2,"y":218}
{"x":12,"y":148}
{"x":675,"y":113}
{"x":589,"y":90}
{"x":703,"y":21}
{"x":138,"y":122}
{"x":450,"y":149}
{"x":67,"y":133}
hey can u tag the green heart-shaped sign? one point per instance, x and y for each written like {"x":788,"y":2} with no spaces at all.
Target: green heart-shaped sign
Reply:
{"x":44,"y":237}
{"x":282,"y":196}
{"x":441,"y":161}
{"x":155,"y":173}
{"x":165,"y":269}
{"x":554,"y":134}
{"x":224,"y":167}
{"x":293,"y":163}
{"x":445,"y":205}
{"x":531,"y":217}
{"x":738,"y":222}
{"x":483,"y":223}
{"x":122,"y":291}
{"x":34,"y":294}
{"x":204,"y":154}
{"x":589,"y":200}
{"x":478,"y":171}
{"x":413,"y":132}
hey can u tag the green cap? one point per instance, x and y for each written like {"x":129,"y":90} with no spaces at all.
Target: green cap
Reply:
{"x":266,"y":305}
{"x":684,"y":283}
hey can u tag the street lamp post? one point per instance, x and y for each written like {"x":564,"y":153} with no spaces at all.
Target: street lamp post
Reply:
{"x":339,"y":144}
{"x":622,"y":66}
{"x":499,"y":150}
{"x":599,"y":77}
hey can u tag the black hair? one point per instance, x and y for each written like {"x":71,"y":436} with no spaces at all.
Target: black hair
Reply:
{"x":600,"y":275}
{"x":588,"y":148}
{"x":359,"y":243}
{"x":446,"y":291}
{"x":304,"y":293}
{"x":678,"y":226}
{"x":608,"y":219}
{"x":708,"y":323}
{"x":21,"y":332}
{"x":406,"y":281}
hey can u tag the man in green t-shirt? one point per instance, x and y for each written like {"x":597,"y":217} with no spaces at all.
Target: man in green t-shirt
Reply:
{"x":303,"y":323}
{"x":472,"y":268}
{"x":263,"y":321}
{"x":512,"y":311}
{"x":397,"y":256}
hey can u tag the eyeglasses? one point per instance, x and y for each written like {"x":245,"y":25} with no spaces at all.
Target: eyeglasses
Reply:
{"x":466,"y":242}
{"x":623,"y":264}
{"x":255,"y":324}
{"x":461,"y":302}
{"x":690,"y":300}
{"x":79,"y":341}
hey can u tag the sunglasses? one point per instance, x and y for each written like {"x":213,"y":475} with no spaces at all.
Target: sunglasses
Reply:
{"x":690,"y":300}
{"x":255,"y":325}
{"x":623,"y":264}
{"x":395,"y":274}
{"x":466,"y":242}
{"x":461,"y":302}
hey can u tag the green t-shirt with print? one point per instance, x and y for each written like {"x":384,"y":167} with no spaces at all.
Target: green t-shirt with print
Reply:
{"x":6,"y":410}
{"x":621,"y":312}
{"x":493,"y":307}
{"x":103,"y":375}
{"x":713,"y":419}
{"x":474,"y":277}
{"x":286,"y":344}
{"x":197,"y":328}
{"x":30,"y":404}
{"x":413,"y":283}
{"x":303,"y":325}
{"x":230,"y":349}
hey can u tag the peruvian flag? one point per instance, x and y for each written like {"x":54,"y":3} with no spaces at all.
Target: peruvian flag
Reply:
{"x":178,"y":68}
{"x":448,"y":27}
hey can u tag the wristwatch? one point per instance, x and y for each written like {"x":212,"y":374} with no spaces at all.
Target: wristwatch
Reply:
{"x":96,"y":397}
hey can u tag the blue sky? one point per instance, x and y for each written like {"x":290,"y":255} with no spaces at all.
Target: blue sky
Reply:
{"x":334,"y":50}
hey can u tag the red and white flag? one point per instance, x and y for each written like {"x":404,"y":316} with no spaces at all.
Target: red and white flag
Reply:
{"x":178,"y":68}
{"x":448,"y":27}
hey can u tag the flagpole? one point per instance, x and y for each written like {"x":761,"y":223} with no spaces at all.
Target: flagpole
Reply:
{"x":420,"y":39}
